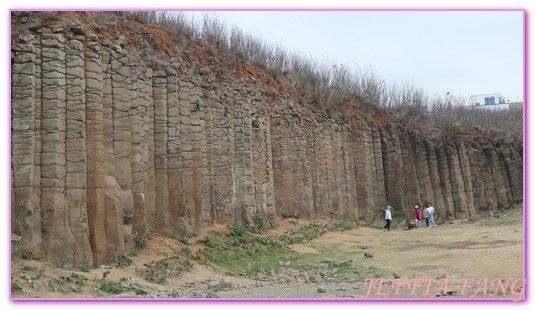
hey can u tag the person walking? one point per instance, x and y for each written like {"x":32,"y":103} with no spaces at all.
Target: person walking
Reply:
{"x":430,"y":214}
{"x":425,"y":215}
{"x":388,"y":218}
{"x":417,"y":215}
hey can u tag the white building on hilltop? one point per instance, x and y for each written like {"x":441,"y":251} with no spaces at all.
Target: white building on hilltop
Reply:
{"x":493,"y":101}
{"x":487,"y":100}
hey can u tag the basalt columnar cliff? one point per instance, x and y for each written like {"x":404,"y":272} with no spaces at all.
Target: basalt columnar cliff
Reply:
{"x":111,"y":136}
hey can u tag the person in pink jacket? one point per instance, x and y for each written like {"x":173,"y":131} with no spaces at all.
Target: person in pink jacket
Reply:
{"x":417,"y":215}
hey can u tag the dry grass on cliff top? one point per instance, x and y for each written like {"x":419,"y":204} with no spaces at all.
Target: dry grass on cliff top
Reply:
{"x":490,"y":247}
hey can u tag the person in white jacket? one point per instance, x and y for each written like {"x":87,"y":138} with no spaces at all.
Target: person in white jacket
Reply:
{"x":430,"y":213}
{"x":388,"y":218}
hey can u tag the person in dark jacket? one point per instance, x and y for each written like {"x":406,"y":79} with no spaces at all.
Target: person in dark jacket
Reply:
{"x":425,"y":215}
{"x":417,"y":215}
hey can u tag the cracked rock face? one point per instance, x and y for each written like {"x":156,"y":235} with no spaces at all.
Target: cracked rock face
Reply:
{"x":104,"y":146}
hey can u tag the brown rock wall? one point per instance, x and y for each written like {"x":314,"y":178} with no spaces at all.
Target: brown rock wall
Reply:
{"x":106,"y":144}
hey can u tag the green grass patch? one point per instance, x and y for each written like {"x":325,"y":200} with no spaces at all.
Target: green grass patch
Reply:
{"x":503,"y":221}
{"x":248,"y":255}
{"x":140,"y":240}
{"x":243,"y":261}
{"x":123,"y":261}
{"x":186,"y":252}
{"x":67,"y":283}
{"x":19,"y":253}
{"x":112,"y":286}
{"x":185,"y":239}
{"x":238,"y":235}
{"x":258,"y":224}
{"x":159,"y":271}
{"x":30,"y":280}
{"x":291,"y":215}
{"x":212,"y":242}
{"x":313,"y":231}
{"x":395,"y":224}
{"x":26,"y":268}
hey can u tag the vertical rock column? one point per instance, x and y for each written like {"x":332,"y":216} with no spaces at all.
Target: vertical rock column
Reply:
{"x":393,"y":171}
{"x":351,"y":211}
{"x":361,"y":186}
{"x":204,"y":157}
{"x":136,"y":216}
{"x":421,"y":163}
{"x":292,"y":167}
{"x":411,"y":180}
{"x":223,"y":161}
{"x":485,"y":194}
{"x":175,"y":176}
{"x":278,"y":168}
{"x":96,"y":169}
{"x":513,"y":163}
{"x":76,"y":188}
{"x":321,"y":184}
{"x":364,"y":168}
{"x":26,"y":211}
{"x":445,"y":180}
{"x":116,"y":186}
{"x":268,"y":186}
{"x":437,"y":200}
{"x":38,"y":143}
{"x":497,"y":177}
{"x":309,"y":166}
{"x":138,"y":154}
{"x":300,"y":162}
{"x":335,"y":170}
{"x":263,"y":172}
{"x":108,"y":113}
{"x":379,"y":171}
{"x":491,"y":201}
{"x":332,"y":197}
{"x":58,"y":241}
{"x":477,"y":185}
{"x":149,"y":175}
{"x":466,"y":173}
{"x":162,"y":217}
{"x":122,"y":98}
{"x":505,"y":175}
{"x":207,"y":152}
{"x":189,"y":106}
{"x":313,"y":167}
{"x":243,"y":161}
{"x":456,"y":178}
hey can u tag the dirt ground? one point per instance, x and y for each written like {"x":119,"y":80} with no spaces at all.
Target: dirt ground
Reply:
{"x":458,"y":259}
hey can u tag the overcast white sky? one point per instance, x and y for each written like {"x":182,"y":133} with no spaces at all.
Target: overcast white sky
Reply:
{"x":461,"y":52}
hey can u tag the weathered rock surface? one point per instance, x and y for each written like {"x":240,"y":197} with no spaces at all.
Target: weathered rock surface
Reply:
{"x":105,"y":144}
